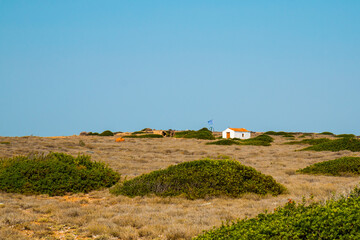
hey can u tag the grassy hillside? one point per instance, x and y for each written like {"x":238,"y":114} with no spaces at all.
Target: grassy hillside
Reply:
{"x":334,"y":220}
{"x":337,"y":167}
{"x":54,"y":174}
{"x":199,"y":179}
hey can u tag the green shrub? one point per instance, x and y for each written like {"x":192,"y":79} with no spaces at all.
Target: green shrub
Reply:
{"x":203,"y":133}
{"x":107,"y":133}
{"x":144,"y":136}
{"x":54,"y":174}
{"x":310,"y":141}
{"x":336,"y":145}
{"x":261,"y":140}
{"x":327,"y":133}
{"x":284,"y":134}
{"x":345,"y":136}
{"x":200,"y":179}
{"x":6,"y":143}
{"x":305,"y":135}
{"x":338,"y":167}
{"x":138,"y":132}
{"x":336,"y":219}
{"x":93,"y":134}
{"x":224,"y":142}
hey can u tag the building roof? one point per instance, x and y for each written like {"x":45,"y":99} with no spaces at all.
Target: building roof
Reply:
{"x":239,"y":129}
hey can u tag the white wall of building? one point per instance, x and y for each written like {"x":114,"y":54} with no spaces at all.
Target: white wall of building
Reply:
{"x":233,"y":134}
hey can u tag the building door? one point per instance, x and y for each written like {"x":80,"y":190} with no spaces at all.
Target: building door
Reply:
{"x":228,"y":135}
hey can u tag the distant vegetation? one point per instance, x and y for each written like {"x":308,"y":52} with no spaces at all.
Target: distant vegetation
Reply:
{"x":310,"y":141}
{"x":224,"y":142}
{"x":338,"y":167}
{"x":200,"y":179}
{"x":143,"y":136}
{"x":203,"y":133}
{"x":261,"y":140}
{"x":104,"y":133}
{"x":284,"y":134}
{"x":138,"y":132}
{"x":54,"y":174}
{"x":334,"y":220}
{"x":327,"y":133}
{"x":305,"y":135}
{"x":345,"y":136}
{"x":351,"y":144}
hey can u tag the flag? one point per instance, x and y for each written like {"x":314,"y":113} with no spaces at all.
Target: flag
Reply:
{"x":210,"y":122}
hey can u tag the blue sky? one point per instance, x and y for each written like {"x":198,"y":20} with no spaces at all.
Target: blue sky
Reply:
{"x":72,"y":66}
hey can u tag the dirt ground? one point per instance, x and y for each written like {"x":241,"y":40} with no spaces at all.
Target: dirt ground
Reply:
{"x":100,"y":215}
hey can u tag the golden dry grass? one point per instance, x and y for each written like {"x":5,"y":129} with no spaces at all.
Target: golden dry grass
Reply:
{"x":104,"y":216}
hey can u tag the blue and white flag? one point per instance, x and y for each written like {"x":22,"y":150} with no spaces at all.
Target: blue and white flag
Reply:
{"x":210,"y":122}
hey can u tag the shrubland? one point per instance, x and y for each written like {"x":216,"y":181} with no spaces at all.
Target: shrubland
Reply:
{"x":284,"y":134}
{"x":200,"y":179}
{"x":351,"y":144}
{"x":104,"y":133}
{"x":313,"y":141}
{"x":338,"y":167}
{"x":327,"y":133}
{"x":143,"y":136}
{"x":336,"y":219}
{"x":203,"y":133}
{"x":345,"y":136}
{"x":261,"y":140}
{"x":54,"y":174}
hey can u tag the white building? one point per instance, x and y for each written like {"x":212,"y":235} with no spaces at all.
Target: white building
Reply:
{"x":241,"y":133}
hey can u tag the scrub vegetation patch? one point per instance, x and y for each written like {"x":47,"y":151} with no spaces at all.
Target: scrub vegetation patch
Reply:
{"x":351,"y":144}
{"x":336,"y":219}
{"x":261,"y":140}
{"x":54,"y":174}
{"x":314,"y":141}
{"x":344,"y":166}
{"x":201,"y":179}
{"x":144,"y":136}
{"x":203,"y":133}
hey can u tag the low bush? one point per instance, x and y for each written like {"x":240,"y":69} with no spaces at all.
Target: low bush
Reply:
{"x":93,"y":134}
{"x":6,"y":143}
{"x":138,"y":132}
{"x":284,"y":134}
{"x":345,"y":136}
{"x":305,"y":135}
{"x":224,"y":142}
{"x":54,"y":174}
{"x":338,"y":167}
{"x":351,"y":144}
{"x":107,"y":133}
{"x":261,"y":140}
{"x":327,"y":133}
{"x":104,"y":133}
{"x":203,"y":133}
{"x":144,"y":136}
{"x":336,"y":219}
{"x":310,"y":141}
{"x":200,"y":179}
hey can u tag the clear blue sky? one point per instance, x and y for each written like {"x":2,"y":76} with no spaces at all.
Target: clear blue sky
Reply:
{"x":72,"y":66}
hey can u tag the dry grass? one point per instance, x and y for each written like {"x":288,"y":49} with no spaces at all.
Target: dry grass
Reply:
{"x":104,"y":216}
